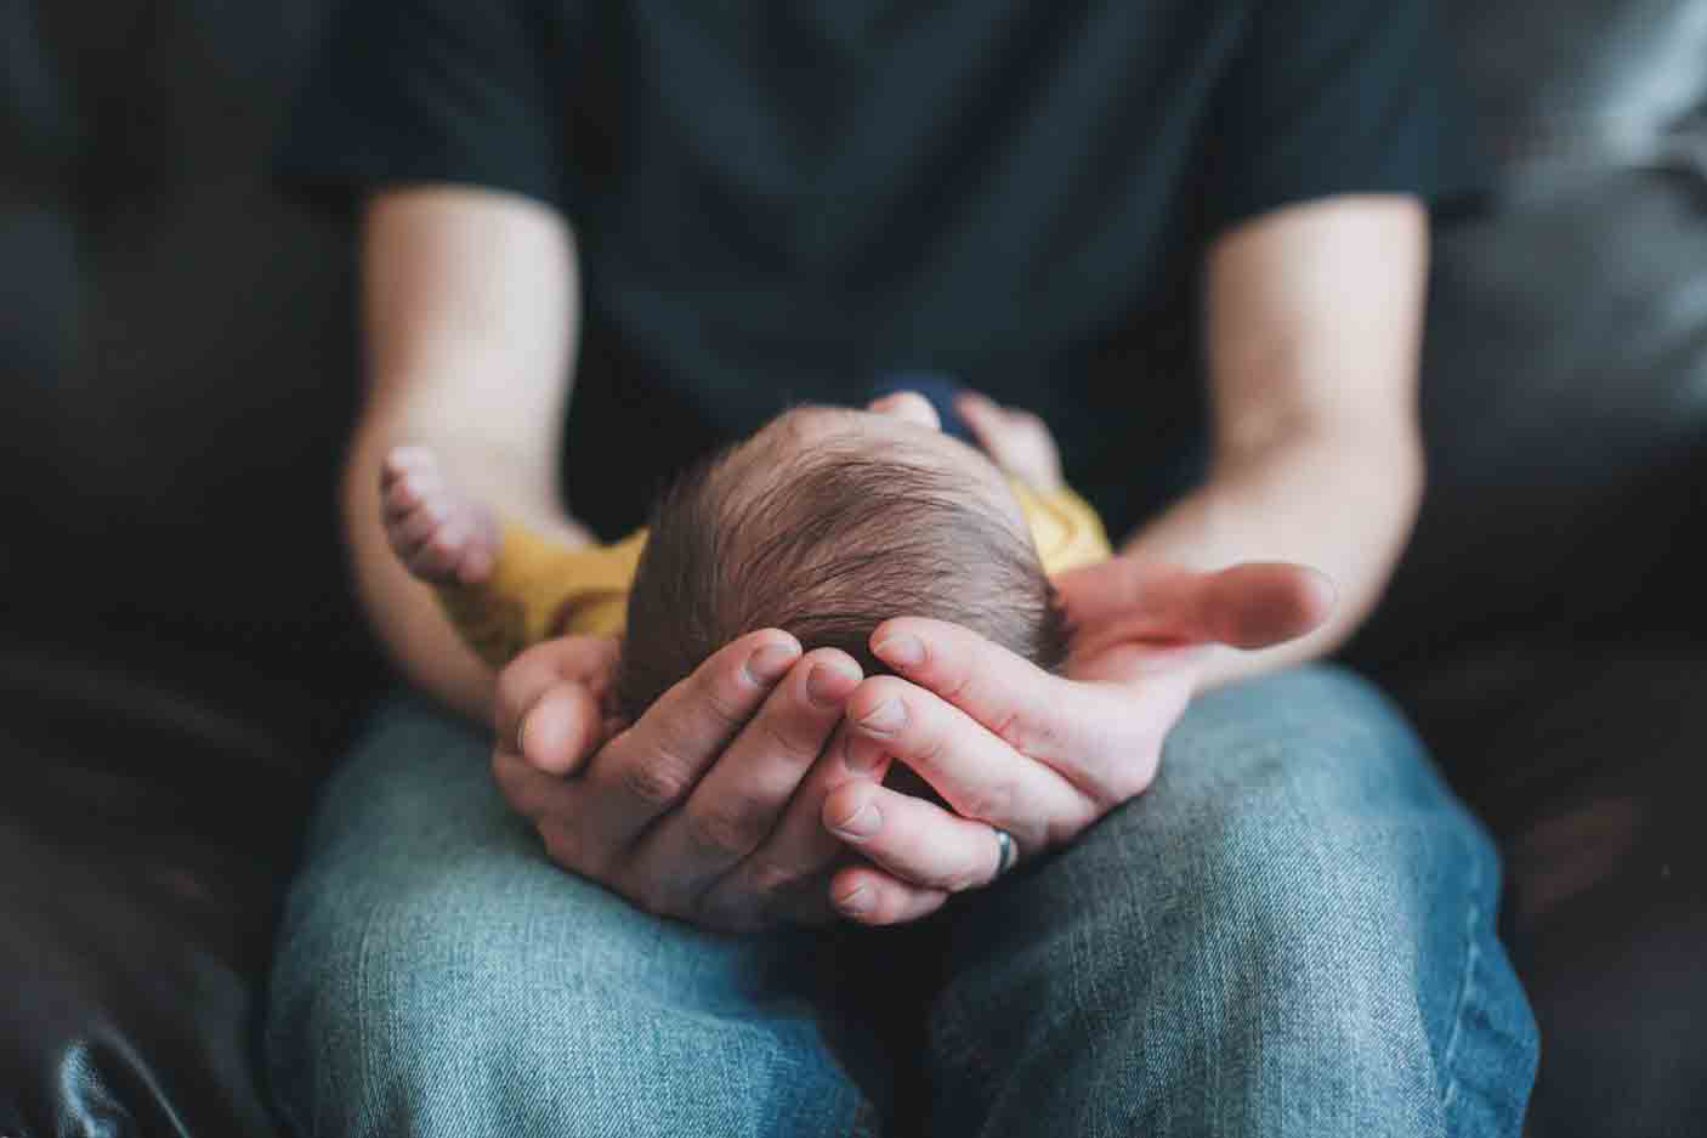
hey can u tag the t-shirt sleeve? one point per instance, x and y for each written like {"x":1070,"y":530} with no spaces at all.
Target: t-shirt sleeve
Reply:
{"x":421,"y":91}
{"x":1330,"y":97}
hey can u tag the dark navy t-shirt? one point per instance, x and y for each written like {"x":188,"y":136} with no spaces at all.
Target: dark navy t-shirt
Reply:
{"x":776,"y":201}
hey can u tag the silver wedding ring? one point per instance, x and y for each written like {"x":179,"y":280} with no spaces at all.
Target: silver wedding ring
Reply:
{"x":1007,"y":851}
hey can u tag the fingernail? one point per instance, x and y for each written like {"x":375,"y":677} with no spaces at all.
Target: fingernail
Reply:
{"x":540,"y":733}
{"x":884,"y":719}
{"x":769,"y":663}
{"x":862,"y":823}
{"x":856,"y":902}
{"x":900,"y":650}
{"x":827,"y":686}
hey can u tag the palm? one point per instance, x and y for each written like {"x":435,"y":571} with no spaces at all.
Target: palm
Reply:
{"x":1133,"y":619}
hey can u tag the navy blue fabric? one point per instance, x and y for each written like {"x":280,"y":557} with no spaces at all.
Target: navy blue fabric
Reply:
{"x":776,"y":202}
{"x":941,"y":390}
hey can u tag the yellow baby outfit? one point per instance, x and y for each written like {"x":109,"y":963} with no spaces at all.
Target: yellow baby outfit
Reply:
{"x":540,"y":588}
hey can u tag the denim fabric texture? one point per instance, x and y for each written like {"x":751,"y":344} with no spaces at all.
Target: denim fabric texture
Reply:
{"x":1291,"y":933}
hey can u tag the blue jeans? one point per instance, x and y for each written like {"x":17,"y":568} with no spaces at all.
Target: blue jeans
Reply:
{"x":1291,"y":933}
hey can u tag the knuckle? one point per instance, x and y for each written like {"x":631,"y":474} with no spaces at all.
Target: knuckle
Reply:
{"x":877,"y":689}
{"x":726,"y":706}
{"x":771,"y":877}
{"x":657,"y":782}
{"x":992,"y":802}
{"x":925,"y":746}
{"x":1013,"y":730}
{"x":1127,"y":768}
{"x":954,"y":678}
{"x":729,"y":830}
{"x":1128,"y":784}
{"x":719,"y":691}
{"x":785,"y":733}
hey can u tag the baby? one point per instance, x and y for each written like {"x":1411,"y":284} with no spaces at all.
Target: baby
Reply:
{"x":825,"y":523}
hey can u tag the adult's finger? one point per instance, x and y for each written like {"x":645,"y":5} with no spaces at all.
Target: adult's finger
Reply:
{"x":1251,"y":605}
{"x":872,"y":897}
{"x":1039,"y":714}
{"x":562,"y":681}
{"x":984,"y":416}
{"x":1099,"y":737}
{"x":979,"y":774}
{"x":532,"y":793}
{"x":913,"y":838}
{"x":788,"y":875}
{"x":562,"y":729}
{"x":909,"y":405}
{"x":652,"y":766}
{"x":740,"y":800}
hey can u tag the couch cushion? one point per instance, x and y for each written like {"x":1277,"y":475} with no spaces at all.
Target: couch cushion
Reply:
{"x":1566,"y":84}
{"x":1565,"y":370}
{"x":1587,"y":765}
{"x":1565,"y":405}
{"x":138,"y":910}
{"x":179,"y":376}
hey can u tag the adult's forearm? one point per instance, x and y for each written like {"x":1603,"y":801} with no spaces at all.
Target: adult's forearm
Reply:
{"x":469,"y":307}
{"x":1342,"y":505}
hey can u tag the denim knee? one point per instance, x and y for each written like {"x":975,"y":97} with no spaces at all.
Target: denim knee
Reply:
{"x":1353,"y":898}
{"x":435,"y":975}
{"x":1293,"y":930}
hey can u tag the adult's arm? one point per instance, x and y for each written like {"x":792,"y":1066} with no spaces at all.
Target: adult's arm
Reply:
{"x":1314,"y":322}
{"x":469,"y":307}
{"x":1314,"y":317}
{"x":469,"y":302}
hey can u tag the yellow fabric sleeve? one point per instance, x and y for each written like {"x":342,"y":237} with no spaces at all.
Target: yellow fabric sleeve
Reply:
{"x":1067,"y":532}
{"x":540,"y":588}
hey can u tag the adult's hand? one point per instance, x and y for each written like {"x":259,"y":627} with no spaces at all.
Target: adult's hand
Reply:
{"x":705,"y":809}
{"x":1041,"y":756}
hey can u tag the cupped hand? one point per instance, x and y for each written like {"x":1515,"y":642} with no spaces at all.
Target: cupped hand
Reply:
{"x":1008,"y":745}
{"x":707,"y":808}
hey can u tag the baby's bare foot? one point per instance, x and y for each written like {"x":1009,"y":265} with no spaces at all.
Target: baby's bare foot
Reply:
{"x":438,"y":532}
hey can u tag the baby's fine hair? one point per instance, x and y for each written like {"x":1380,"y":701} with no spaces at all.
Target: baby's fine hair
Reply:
{"x":827,"y":543}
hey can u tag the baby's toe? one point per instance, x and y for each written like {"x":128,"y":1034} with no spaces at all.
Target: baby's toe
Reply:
{"x":437,"y":556}
{"x":480,"y":547}
{"x":403,"y":460}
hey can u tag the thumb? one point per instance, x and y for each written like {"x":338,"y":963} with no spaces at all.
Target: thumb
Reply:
{"x":561,"y":730}
{"x":1250,"y":605}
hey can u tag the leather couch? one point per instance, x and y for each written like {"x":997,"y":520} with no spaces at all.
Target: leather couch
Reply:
{"x":180,"y":660}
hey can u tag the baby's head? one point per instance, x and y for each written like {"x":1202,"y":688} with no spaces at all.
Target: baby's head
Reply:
{"x":826,"y":523}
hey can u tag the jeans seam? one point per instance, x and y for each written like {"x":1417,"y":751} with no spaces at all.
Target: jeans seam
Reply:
{"x":364,"y":955}
{"x":1467,"y":981}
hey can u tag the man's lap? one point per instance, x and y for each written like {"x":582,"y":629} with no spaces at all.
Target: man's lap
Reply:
{"x":434,"y":970}
{"x":1297,"y":907}
{"x":1291,"y":932}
